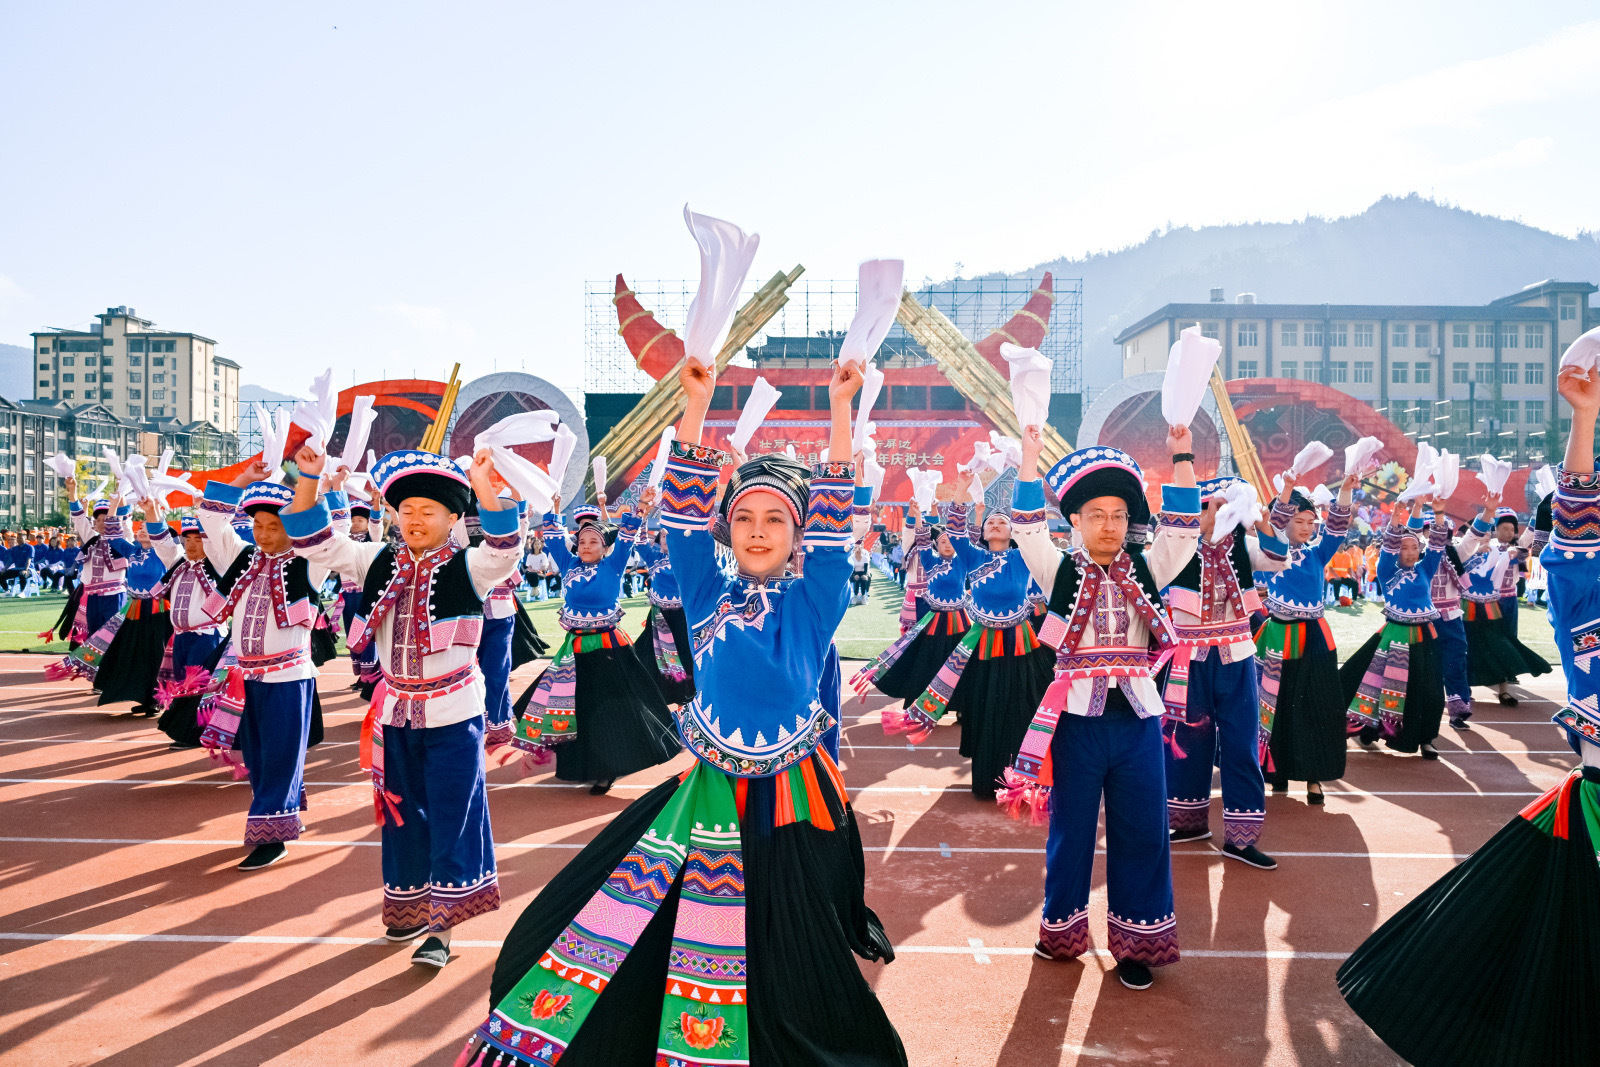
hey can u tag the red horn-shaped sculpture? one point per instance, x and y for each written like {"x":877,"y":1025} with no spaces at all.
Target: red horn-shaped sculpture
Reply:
{"x":1026,"y":328}
{"x":655,"y":348}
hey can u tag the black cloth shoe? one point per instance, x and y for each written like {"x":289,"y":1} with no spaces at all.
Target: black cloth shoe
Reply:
{"x":264,"y":856}
{"x":1134,"y":974}
{"x":1507,"y":700}
{"x":1188,"y":835}
{"x":1314,"y":797}
{"x":1428,"y":751}
{"x":405,"y":933}
{"x":182,"y":746}
{"x":1251,"y":855}
{"x":1460,"y":724}
{"x":600,"y":789}
{"x":431,"y":953}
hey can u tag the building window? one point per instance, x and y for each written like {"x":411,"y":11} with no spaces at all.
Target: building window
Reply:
{"x":136,"y":344}
{"x":90,"y":376}
{"x":133,"y":409}
{"x":1397,"y":373}
{"x":136,"y":361}
{"x":158,"y":361}
{"x":1399,"y":336}
{"x":1533,"y":374}
{"x":158,"y":394}
{"x":1533,"y":337}
{"x":1363,"y":334}
{"x":1363,"y":372}
{"x":105,"y":394}
{"x":158,"y":411}
{"x":1459,"y":334}
{"x":1569,"y":308}
{"x":44,"y":385}
{"x":1247,"y":335}
{"x":1483,"y":373}
{"x":1458,"y":373}
{"x":67,"y":361}
{"x":1508,"y":335}
{"x":1424,"y":373}
{"x":135,"y":394}
{"x":1247,"y":368}
{"x":66,"y":377}
{"x":1508,"y":411}
{"x":1313,"y":332}
{"x":66,"y":394}
{"x":158,"y":377}
{"x":1210,"y":330}
{"x":1483,"y":335}
{"x":1341,"y":371}
{"x":1508,"y":374}
{"x":1288,"y":368}
{"x":1290,"y":335}
{"x":44,"y":349}
{"x":89,"y":394}
{"x":1424,"y":336}
{"x":135,"y":376}
{"x":105,"y":361}
{"x":1535,"y":413}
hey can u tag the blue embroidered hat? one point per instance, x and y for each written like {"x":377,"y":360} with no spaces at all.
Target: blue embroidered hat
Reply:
{"x":1505,"y":514}
{"x":1427,"y":516}
{"x":585,"y":513}
{"x":360,"y":507}
{"x":261,"y":496}
{"x":1212,"y":486}
{"x":411,"y":472}
{"x":190,"y":525}
{"x":1099,"y":471}
{"x":100,"y":504}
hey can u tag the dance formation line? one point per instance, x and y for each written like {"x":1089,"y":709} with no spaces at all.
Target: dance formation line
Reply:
{"x":715,"y":919}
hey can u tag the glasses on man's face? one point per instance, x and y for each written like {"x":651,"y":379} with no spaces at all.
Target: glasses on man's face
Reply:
{"x":1104,"y":518}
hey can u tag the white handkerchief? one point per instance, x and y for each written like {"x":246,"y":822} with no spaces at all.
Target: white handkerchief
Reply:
{"x":975,"y":489}
{"x":63,"y":466}
{"x":763,"y":396}
{"x":878,"y":285}
{"x":872,"y":473}
{"x":726,"y":253}
{"x":871,"y":387}
{"x":1584,"y":352}
{"x":1008,"y":450}
{"x":663,"y":451}
{"x":1030,"y":384}
{"x":355,"y":441}
{"x":599,"y":467}
{"x":561,"y":452}
{"x":1189,"y":366}
{"x":924,"y":486}
{"x":788,"y":450}
{"x":1310,"y":458}
{"x":982,"y":456}
{"x":1239,"y":509}
{"x":1447,"y":473}
{"x":1418,"y":487}
{"x":1544,"y":481}
{"x":1493,"y":474}
{"x":1322,"y":496}
{"x":523,"y":428}
{"x":1359,"y":457}
{"x":536,"y":487}
{"x":317,"y":415}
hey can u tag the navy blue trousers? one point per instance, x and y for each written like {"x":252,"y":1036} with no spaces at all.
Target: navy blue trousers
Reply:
{"x":101,"y":607}
{"x":1116,"y":755}
{"x":193,"y":649}
{"x":494,"y":659}
{"x":273,"y":731}
{"x":1227,"y":697}
{"x":438,"y":858}
{"x":1453,"y":666}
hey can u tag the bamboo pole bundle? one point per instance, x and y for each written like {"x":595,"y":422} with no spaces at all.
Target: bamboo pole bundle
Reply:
{"x":640,"y":428}
{"x":971,"y":374}
{"x":1245,"y":458}
{"x":433,"y":436}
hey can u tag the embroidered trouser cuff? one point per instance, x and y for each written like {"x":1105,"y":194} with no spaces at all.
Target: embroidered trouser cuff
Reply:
{"x":1242,"y":828}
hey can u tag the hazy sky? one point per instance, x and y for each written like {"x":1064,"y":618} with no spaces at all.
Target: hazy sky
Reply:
{"x":392,"y":186}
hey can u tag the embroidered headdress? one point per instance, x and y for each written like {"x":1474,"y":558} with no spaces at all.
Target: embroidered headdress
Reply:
{"x":411,"y":472}
{"x":1100,"y":471}
{"x":265,"y":496}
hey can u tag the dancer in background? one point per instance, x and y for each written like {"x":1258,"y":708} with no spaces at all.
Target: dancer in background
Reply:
{"x":1302,"y":713}
{"x":354,"y":515}
{"x":422,"y":606}
{"x":268,"y":703}
{"x":595,"y":704}
{"x":744,"y":956}
{"x":1525,"y":899}
{"x":1213,"y":691}
{"x":997,"y":676}
{"x":1098,"y":731}
{"x":105,"y":587}
{"x":131,"y":667}
{"x":1451,"y":627}
{"x":196,"y":642}
{"x":909,"y":665}
{"x":1392,"y":684}
{"x":1494,"y":655}
{"x":663,"y":645}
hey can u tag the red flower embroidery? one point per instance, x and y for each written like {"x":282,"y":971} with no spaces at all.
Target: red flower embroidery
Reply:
{"x":700,"y":1033}
{"x":546,"y":1005}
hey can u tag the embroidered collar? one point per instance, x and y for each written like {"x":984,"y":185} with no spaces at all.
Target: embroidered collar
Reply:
{"x":410,"y":570}
{"x":271,"y":567}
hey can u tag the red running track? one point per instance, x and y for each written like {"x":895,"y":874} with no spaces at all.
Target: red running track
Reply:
{"x":128,"y":939}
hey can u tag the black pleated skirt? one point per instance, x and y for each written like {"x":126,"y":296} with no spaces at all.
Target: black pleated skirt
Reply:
{"x":1309,"y":739}
{"x":996,"y":699}
{"x":526,"y":644}
{"x":806,"y":919}
{"x":180,"y":720}
{"x":1494,"y":655}
{"x":133,"y":659}
{"x":1424,"y":690}
{"x":673,"y":692}
{"x":909,"y":675}
{"x":1497,"y":964}
{"x":623,"y":723}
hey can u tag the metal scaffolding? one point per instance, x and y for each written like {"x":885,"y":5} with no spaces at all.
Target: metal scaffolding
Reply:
{"x":821,"y":308}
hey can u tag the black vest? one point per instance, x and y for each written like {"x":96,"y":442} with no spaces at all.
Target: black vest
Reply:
{"x":296,"y":576}
{"x":1238,"y":554}
{"x":452,"y":595}
{"x":1064,"y":594}
{"x":205,"y":561}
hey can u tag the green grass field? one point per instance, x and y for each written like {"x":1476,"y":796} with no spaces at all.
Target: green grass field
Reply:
{"x":865,"y":632}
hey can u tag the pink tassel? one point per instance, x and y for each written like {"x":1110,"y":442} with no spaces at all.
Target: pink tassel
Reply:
{"x":46,"y":636}
{"x":464,"y":1059}
{"x":911,"y":722}
{"x":64,"y":669}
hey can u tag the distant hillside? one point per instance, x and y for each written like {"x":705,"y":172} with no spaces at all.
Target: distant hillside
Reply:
{"x":1401,"y":250}
{"x":248,"y":393}
{"x":16,"y":372}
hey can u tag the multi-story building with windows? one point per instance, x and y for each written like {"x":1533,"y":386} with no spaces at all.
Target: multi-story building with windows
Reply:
{"x":138,"y":371}
{"x":1473,"y":378}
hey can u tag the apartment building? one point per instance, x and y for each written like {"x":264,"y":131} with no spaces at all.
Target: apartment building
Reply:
{"x":1471,"y":377}
{"x":138,"y":371}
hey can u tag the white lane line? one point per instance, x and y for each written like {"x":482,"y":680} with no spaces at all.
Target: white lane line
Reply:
{"x":919,"y":789}
{"x":946,"y":851}
{"x":974,"y":948}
